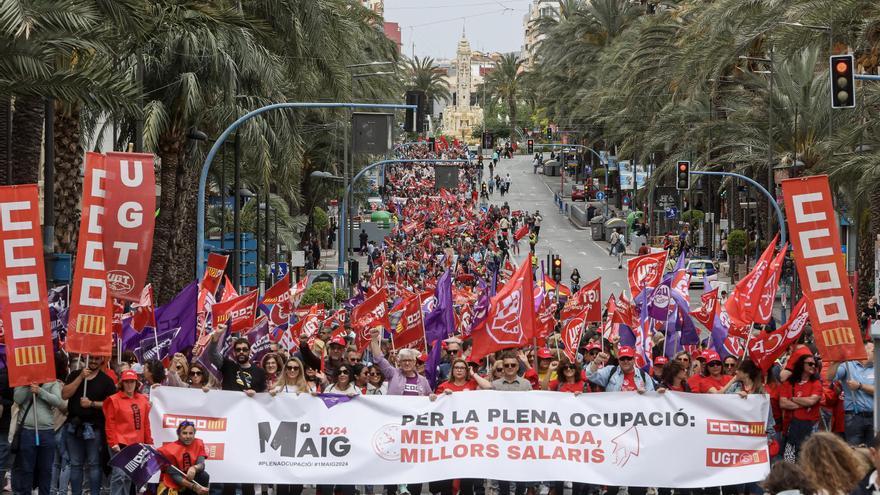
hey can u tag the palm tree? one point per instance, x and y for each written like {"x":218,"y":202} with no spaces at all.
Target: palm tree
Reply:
{"x":504,"y":84}
{"x":423,"y":74}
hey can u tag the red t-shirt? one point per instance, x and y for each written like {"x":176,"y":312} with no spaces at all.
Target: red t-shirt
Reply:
{"x":694,"y":383}
{"x":468,"y":385}
{"x":182,"y":457}
{"x":708,"y":382}
{"x":568,"y":386}
{"x":629,"y":382}
{"x":803,"y":389}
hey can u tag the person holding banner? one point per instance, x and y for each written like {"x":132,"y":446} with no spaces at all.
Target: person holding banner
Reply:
{"x":127,"y":422}
{"x":239,"y":375}
{"x":622,"y":377}
{"x":713,"y":379}
{"x":186,"y":473}
{"x":85,"y":392}
{"x":199,"y":377}
{"x":33,"y":462}
{"x":293,"y":381}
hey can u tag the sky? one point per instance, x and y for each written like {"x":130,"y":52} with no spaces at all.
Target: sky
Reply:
{"x":435,"y":25}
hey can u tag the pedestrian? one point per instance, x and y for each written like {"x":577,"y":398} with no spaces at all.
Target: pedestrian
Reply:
{"x":533,"y":240}
{"x":644,"y":249}
{"x":200,"y":378}
{"x":511,"y":381}
{"x":273,"y":365}
{"x":575,"y":280}
{"x":856,"y":378}
{"x":33,"y":462}
{"x":618,"y":248}
{"x":293,"y":381}
{"x":376,"y":384}
{"x":85,"y":422}
{"x":127,"y":422}
{"x":537,"y":223}
{"x":675,"y":376}
{"x":363,"y":237}
{"x":343,"y":383}
{"x":186,"y":473}
{"x":713,"y":378}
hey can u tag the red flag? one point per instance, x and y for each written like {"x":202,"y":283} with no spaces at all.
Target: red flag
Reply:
{"x":377,"y":280}
{"x":335,"y":320}
{"x":370,"y":313}
{"x":214,"y":272}
{"x":745,"y":296}
{"x":410,"y":330}
{"x":229,"y":291}
{"x":465,"y":320}
{"x":588,"y":300}
{"x":571,"y":335}
{"x":24,"y":308}
{"x":237,"y":313}
{"x":309,"y":324}
{"x":610,"y":314}
{"x":645,"y":271}
{"x":511,"y":318}
{"x":129,"y":219}
{"x":118,"y":313}
{"x":546,"y":318}
{"x":91,"y":307}
{"x":766,"y":347}
{"x":521,"y":232}
{"x":296,"y":293}
{"x":705,"y":314}
{"x":144,"y":313}
{"x":626,"y":312}
{"x":771,"y":284}
{"x":278,"y":293}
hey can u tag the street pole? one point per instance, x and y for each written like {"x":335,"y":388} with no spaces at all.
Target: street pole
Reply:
{"x":236,"y":217}
{"x":266,"y":229}
{"x":49,"y":182}
{"x":771,"y":183}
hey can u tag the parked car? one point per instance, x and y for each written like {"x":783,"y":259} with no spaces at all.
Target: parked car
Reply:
{"x":700,"y":268}
{"x":578,"y":193}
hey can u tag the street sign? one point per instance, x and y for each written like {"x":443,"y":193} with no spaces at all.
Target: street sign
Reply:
{"x":671,"y":212}
{"x":600,"y":196}
{"x":298,"y":258}
{"x":280,"y":269}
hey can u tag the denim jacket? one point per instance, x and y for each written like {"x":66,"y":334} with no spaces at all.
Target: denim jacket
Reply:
{"x":611,"y":378}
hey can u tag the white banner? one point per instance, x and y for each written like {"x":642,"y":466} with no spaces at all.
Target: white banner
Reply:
{"x":675,"y":440}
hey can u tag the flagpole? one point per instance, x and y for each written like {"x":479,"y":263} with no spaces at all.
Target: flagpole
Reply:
{"x":86,"y":382}
{"x":36,"y":428}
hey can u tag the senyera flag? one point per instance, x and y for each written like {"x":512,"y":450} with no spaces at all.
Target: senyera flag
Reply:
{"x":821,"y":269}
{"x":645,"y":272}
{"x":766,"y":347}
{"x":129,"y":218}
{"x":91,"y":307}
{"x":511,"y":318}
{"x":238,"y":313}
{"x":214,"y":272}
{"x":587,"y":300}
{"x":24,"y":308}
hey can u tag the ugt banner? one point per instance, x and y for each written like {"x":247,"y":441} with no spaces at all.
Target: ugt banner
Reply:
{"x":820,"y":264}
{"x":91,"y":308}
{"x":128,"y":222}
{"x":517,"y":436}
{"x":24,"y":308}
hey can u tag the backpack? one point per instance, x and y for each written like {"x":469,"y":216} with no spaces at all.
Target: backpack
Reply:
{"x":645,"y":378}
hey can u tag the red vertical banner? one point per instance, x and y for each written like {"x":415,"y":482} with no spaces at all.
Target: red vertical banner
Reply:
{"x":24,"y":309}
{"x":820,"y":264}
{"x":91,"y":307}
{"x":214,"y":272}
{"x":129,"y":218}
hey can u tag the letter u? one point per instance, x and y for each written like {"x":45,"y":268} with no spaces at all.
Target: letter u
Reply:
{"x":125,"y":173}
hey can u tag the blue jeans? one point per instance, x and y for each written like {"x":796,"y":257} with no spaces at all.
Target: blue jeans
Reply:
{"x":84,"y":452}
{"x":61,"y":467}
{"x":34,"y":461}
{"x":4,"y":456}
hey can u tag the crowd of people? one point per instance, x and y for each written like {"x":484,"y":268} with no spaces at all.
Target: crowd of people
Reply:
{"x":98,"y":406}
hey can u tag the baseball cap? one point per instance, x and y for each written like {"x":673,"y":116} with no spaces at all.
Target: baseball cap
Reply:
{"x":660,"y":360}
{"x":711,"y":356}
{"x":594,"y":346}
{"x":129,"y":375}
{"x":423,"y":358}
{"x":626,"y":352}
{"x":544,"y":353}
{"x":701,"y":354}
{"x":338,"y":340}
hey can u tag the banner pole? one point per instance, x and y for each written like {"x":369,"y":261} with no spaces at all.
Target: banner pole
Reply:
{"x":86,"y":382}
{"x":36,"y":428}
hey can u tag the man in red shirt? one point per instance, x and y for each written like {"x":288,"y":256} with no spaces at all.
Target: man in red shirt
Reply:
{"x":187,"y":456}
{"x":127,"y":421}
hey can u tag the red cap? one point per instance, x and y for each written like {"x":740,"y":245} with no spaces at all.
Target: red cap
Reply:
{"x":796,"y":356}
{"x":660,"y":360}
{"x":594,"y":346}
{"x":129,"y":375}
{"x":626,"y":352}
{"x":423,"y":358}
{"x":711,"y":356}
{"x":544,"y":353}
{"x":700,"y":354}
{"x":338,"y":340}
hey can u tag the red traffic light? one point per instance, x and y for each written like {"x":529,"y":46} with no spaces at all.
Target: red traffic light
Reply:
{"x":841,"y":67}
{"x":682,"y":167}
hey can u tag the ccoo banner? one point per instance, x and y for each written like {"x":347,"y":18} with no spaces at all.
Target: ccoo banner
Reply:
{"x":820,"y":265}
{"x":128,"y":222}
{"x":24,"y":308}
{"x":300,"y":439}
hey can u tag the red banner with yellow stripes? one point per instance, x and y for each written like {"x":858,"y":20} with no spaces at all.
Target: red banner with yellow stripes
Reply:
{"x":91,"y":308}
{"x":24,"y":308}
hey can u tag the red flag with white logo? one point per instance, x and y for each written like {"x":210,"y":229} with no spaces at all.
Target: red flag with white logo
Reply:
{"x":309,"y":324}
{"x":645,"y":272}
{"x":705,"y":314}
{"x":766,"y":347}
{"x":238,"y":313}
{"x":745,"y":296}
{"x":410,"y":331}
{"x":588,"y":300}
{"x":771,"y":284}
{"x":214,"y":272}
{"x":278,"y":293}
{"x":571,"y":335}
{"x":378,"y":280}
{"x":144,"y":312}
{"x":511,"y":318}
{"x":229,"y":291}
{"x":371,"y":313}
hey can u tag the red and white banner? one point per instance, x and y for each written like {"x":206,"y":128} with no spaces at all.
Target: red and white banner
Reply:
{"x":771,"y":284}
{"x":645,"y":272}
{"x":571,"y":335}
{"x":766,"y":347}
{"x":278,"y":293}
{"x":24,"y":308}
{"x":820,"y":264}
{"x":370,"y":313}
{"x":214,"y":272}
{"x":588,"y":300}
{"x":91,"y":307}
{"x":511,"y":318}
{"x":410,"y":330}
{"x":516,"y":436}
{"x":129,"y":219}
{"x":705,"y":314}
{"x":238,"y":313}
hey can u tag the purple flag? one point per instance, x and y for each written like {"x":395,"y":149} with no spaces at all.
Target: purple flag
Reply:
{"x":481,"y":308}
{"x":258,"y":338}
{"x":354,"y":301}
{"x":440,"y":322}
{"x":155,"y":345}
{"x":659,"y":303}
{"x":331,"y":400}
{"x":139,"y":462}
{"x":431,"y":367}
{"x":180,"y":312}
{"x":720,"y":328}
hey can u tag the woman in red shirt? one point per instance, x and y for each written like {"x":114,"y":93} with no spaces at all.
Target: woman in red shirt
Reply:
{"x":461,"y":379}
{"x":801,"y":394}
{"x":127,"y":421}
{"x":675,"y":377}
{"x":713,"y":380}
{"x":570,"y":378}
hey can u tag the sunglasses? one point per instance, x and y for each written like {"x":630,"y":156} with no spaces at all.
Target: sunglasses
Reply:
{"x":625,"y":358}
{"x":195,"y":373}
{"x":684,"y":359}
{"x":456,"y":351}
{"x":730,"y":365}
{"x":510,"y":365}
{"x":343,"y":372}
{"x":373,"y":373}
{"x":714,"y":364}
{"x":242,"y":349}
{"x":292,"y":368}
{"x":809,"y":363}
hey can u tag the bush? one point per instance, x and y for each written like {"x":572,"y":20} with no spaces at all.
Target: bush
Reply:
{"x":693,"y":217}
{"x":341,"y":295}
{"x":319,"y":293}
{"x":320,"y":219}
{"x":736,"y":242}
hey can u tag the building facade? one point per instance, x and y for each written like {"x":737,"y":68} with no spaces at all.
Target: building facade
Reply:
{"x":462,"y":117}
{"x":538,"y":9}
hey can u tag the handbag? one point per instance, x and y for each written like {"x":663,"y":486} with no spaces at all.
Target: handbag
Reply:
{"x":15,"y":444}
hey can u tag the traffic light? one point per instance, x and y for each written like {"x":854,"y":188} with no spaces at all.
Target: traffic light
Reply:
{"x":549,"y":133}
{"x":488,"y":141}
{"x":415,"y":119}
{"x":557,"y":268}
{"x":531,"y":145}
{"x":843,"y":88}
{"x":683,"y":175}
